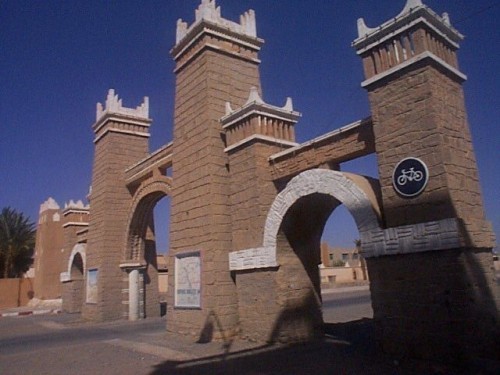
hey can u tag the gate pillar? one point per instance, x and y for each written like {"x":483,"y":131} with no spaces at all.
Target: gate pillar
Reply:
{"x":433,"y":288}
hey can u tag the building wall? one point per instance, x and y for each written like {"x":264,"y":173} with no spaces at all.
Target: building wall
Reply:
{"x":109,"y":201}
{"x":49,"y":260}
{"x":15,"y":292}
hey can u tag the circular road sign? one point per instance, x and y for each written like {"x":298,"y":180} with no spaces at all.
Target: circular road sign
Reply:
{"x":410,"y":177}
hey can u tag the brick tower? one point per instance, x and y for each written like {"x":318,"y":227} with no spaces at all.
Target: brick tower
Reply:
{"x":216,"y":62}
{"x":417,"y":102}
{"x":49,"y":262}
{"x":121,"y":139}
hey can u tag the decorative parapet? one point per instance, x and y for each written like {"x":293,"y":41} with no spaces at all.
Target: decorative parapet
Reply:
{"x":49,"y":204}
{"x":114,"y":117}
{"x":257,"y":119}
{"x":76,"y":206}
{"x":114,"y":105}
{"x":415,"y":34}
{"x":208,"y":11}
{"x":211,"y":31}
{"x":430,"y":236}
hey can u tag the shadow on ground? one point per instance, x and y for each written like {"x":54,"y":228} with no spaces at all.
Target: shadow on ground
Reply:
{"x":347,"y":348}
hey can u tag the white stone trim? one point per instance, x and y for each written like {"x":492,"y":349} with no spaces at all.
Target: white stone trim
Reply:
{"x":114,"y":105}
{"x":49,"y":204}
{"x":122,"y":120}
{"x":412,"y":61}
{"x":75,"y":224}
{"x":401,"y":30}
{"x":260,"y":257}
{"x":129,"y":132}
{"x":430,"y":236}
{"x":333,"y":183}
{"x":208,"y":11}
{"x":261,"y":137}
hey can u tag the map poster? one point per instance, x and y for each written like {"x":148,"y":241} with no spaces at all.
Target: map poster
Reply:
{"x":188,"y":280}
{"x":92,"y":286}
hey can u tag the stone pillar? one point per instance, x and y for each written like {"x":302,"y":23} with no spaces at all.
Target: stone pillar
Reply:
{"x":433,"y":288}
{"x":121,"y":139}
{"x":216,"y":62}
{"x":133,"y":294}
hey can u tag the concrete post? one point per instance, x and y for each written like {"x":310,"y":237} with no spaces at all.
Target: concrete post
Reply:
{"x":133,"y":294}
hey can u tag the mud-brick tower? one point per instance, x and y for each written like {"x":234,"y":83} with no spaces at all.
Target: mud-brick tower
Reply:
{"x":435,"y":299}
{"x":216,"y":62}
{"x":75,"y":219}
{"x":121,"y":139}
{"x":48,"y":257}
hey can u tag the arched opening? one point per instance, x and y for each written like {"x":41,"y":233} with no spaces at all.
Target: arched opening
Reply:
{"x":297,"y":221}
{"x":343,"y":271}
{"x":76,"y":272}
{"x":74,"y":280}
{"x":144,"y":268}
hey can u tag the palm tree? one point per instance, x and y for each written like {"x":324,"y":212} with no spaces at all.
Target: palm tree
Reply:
{"x":17,"y":243}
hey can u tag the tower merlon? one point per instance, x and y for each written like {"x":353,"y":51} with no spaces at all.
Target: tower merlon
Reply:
{"x":211,"y":30}
{"x":257,"y":119}
{"x":114,"y":105}
{"x":210,"y":12}
{"x":413,"y":13}
{"x":133,"y":121}
{"x":416,"y":34}
{"x":49,"y":204}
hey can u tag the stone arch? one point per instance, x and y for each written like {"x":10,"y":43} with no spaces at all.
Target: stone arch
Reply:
{"x":358,"y":193}
{"x":73,"y":279}
{"x":143,"y":202}
{"x":140,"y":287}
{"x":77,"y":253}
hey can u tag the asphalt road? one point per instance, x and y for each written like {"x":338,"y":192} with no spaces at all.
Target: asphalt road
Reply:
{"x":63,"y":344}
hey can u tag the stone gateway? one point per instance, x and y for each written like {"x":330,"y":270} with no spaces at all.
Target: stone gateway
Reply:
{"x":249,"y":203}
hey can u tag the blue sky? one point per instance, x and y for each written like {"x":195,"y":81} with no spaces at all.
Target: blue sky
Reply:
{"x":58,"y":58}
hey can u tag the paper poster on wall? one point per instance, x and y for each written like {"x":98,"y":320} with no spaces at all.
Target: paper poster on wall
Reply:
{"x":188,"y":280}
{"x":92,"y":286}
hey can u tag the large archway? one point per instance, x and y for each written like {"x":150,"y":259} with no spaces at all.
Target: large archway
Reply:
{"x":291,"y":247}
{"x":139,"y":262}
{"x":297,"y":221}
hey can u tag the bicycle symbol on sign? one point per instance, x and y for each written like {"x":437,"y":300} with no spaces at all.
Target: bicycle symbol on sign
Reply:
{"x":409,"y":176}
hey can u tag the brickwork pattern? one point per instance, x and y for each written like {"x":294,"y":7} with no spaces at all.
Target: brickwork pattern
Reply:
{"x":421,"y":301}
{"x":200,"y":211}
{"x":110,"y":200}
{"x":49,"y":261}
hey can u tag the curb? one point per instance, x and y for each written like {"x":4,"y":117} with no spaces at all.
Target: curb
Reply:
{"x":30,"y":312}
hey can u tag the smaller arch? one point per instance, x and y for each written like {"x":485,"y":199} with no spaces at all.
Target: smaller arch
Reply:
{"x":79,"y":250}
{"x":143,"y":202}
{"x":341,"y":186}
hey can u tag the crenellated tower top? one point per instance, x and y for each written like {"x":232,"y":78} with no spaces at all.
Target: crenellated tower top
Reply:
{"x":416,"y":33}
{"x":208,"y":11}
{"x":211,"y":31}
{"x":114,"y":117}
{"x":114,"y":105}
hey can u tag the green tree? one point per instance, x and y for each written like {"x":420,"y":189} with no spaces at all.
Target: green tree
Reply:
{"x":17,"y":243}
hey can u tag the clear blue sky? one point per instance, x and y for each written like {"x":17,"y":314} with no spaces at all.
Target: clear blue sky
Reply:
{"x":58,"y":58}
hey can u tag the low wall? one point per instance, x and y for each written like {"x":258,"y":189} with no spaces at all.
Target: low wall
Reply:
{"x":340,"y":275}
{"x":15,"y":292}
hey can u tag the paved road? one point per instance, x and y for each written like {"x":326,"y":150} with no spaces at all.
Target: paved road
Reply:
{"x":347,"y":306}
{"x":62,"y":344}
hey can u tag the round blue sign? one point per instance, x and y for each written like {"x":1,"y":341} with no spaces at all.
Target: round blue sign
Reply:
{"x":410,"y":177}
